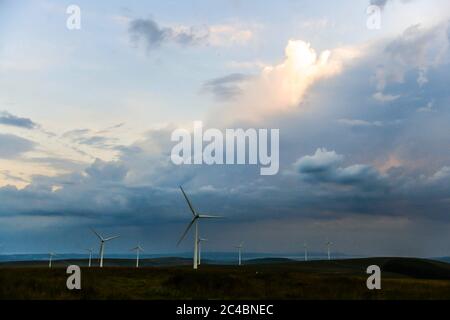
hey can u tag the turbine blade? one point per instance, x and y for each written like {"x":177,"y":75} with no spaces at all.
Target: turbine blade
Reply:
{"x":111,"y":238}
{"x":189,"y":202}
{"x":206,"y":216}
{"x":186,"y":231}
{"x":99,"y":236}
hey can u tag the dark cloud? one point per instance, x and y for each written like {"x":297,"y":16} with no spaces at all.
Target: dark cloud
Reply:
{"x":8,"y":119}
{"x":153,"y":35}
{"x":325,"y":167}
{"x":382,"y":3}
{"x":227,"y":87}
{"x":107,"y":171}
{"x":149,"y":31}
{"x":12,"y":146}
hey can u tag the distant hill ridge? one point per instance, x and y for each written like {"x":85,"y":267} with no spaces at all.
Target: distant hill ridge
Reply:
{"x":408,"y":267}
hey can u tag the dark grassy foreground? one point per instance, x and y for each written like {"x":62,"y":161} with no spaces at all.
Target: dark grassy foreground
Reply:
{"x":344,"y":279}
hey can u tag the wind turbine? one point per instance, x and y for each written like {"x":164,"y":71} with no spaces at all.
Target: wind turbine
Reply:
{"x":328,"y":248}
{"x":306,"y":251}
{"x":137,"y":249}
{"x":51,"y":255}
{"x":90,"y":256}
{"x":239,"y":247}
{"x":200,"y":240}
{"x":195,"y":220}
{"x":102,"y":245}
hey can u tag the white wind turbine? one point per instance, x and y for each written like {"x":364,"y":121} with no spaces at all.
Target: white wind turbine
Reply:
{"x":102,"y":245}
{"x":90,"y":256}
{"x":239,"y":247}
{"x":329,"y":243}
{"x":200,"y":240}
{"x":195,"y":220}
{"x":306,"y":251}
{"x":138,"y":249}
{"x":50,"y":259}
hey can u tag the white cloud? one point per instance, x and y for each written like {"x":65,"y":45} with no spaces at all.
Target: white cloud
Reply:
{"x":360,"y":123}
{"x":282,"y":87}
{"x":381,"y":97}
{"x":229,"y":34}
{"x":427,"y":108}
{"x":321,"y":160}
{"x":442,"y":173}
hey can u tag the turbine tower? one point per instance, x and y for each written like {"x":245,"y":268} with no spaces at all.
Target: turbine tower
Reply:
{"x":239,"y":247}
{"x":200,"y":240}
{"x":102,"y":245}
{"x":137,"y":249}
{"x":328,"y":249}
{"x":195,"y":220}
{"x":306,"y":251}
{"x":90,"y":256}
{"x":50,"y":259}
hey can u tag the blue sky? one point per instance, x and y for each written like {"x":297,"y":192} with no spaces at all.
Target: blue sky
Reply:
{"x":86,"y":117}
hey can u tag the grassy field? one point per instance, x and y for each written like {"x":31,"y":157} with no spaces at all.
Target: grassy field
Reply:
{"x":341,"y":279}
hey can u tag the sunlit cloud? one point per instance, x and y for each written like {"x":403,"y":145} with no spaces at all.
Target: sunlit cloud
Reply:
{"x":282,"y":87}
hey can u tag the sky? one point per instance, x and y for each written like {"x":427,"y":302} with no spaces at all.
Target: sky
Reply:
{"x":86,"y":118}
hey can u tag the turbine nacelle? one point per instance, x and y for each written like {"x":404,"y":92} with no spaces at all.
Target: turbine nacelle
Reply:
{"x":196,"y":217}
{"x":102,"y":244}
{"x":240,"y":246}
{"x":103,"y":239}
{"x":138,"y":248}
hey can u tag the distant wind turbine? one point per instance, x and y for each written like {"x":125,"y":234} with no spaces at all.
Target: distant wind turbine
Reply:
{"x":137,"y":249}
{"x":90,"y":256}
{"x":200,"y":240}
{"x":195,"y":220}
{"x":50,"y":259}
{"x":328,"y":249}
{"x":102,"y":245}
{"x":239,"y":247}
{"x":306,"y":251}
